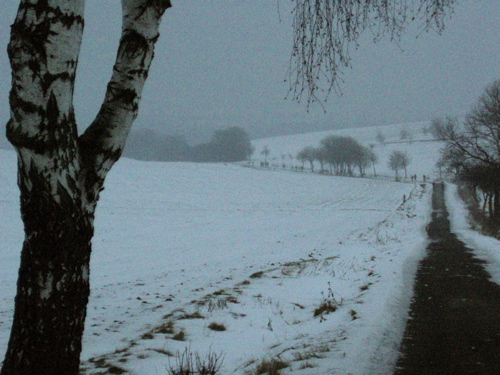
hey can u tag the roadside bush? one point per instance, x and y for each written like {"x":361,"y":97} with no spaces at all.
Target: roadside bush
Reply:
{"x":189,"y":363}
{"x":270,"y":367}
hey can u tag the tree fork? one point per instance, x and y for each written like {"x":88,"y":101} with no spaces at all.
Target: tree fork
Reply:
{"x":60,"y":174}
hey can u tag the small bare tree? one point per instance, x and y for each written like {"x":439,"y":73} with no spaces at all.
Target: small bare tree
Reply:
{"x":320,"y":156}
{"x":441,"y":128}
{"x":399,"y":160}
{"x":265,"y":152}
{"x":308,"y":154}
{"x":380,"y":137}
{"x":404,"y":134}
{"x":373,"y":158}
{"x":406,"y":160}
{"x":474,"y":152}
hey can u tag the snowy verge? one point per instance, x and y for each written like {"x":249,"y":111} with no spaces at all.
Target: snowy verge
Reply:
{"x":485,"y":247}
{"x":267,"y":305}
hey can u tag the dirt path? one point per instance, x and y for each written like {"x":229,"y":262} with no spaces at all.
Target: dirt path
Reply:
{"x":454,"y":325}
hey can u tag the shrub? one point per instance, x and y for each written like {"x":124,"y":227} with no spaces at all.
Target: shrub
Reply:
{"x":270,"y":367}
{"x":217,"y":327}
{"x":181,"y":336}
{"x":167,"y":328}
{"x":325,"y":308}
{"x":329,"y":303}
{"x":188,"y":363}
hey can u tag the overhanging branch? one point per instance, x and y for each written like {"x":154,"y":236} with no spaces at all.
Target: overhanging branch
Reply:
{"x":325,"y":31}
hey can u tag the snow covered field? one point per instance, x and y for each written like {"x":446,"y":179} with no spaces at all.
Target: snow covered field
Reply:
{"x":422,"y":149}
{"x":180,"y":246}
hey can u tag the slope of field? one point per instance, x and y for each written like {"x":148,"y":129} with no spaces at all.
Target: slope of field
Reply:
{"x":180,"y":246}
{"x":422,"y":149}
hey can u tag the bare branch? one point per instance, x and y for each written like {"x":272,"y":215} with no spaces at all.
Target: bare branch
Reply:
{"x":103,"y":141}
{"x":327,"y":30}
{"x":477,"y":147}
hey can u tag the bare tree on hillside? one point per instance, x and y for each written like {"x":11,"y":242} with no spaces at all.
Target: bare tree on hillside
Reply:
{"x":308,"y":154}
{"x":442,"y":127}
{"x":398,"y":160}
{"x":362,"y":161}
{"x":406,"y":160}
{"x":404,"y":134}
{"x":265,"y":151}
{"x":380,"y":137}
{"x":373,"y":158}
{"x":440,"y":164}
{"x":473,"y":153}
{"x":320,"y":156}
{"x":343,"y":154}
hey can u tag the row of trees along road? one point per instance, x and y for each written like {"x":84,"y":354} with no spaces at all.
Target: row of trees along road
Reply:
{"x":472,"y":150}
{"x":61,"y":172}
{"x":342,"y":154}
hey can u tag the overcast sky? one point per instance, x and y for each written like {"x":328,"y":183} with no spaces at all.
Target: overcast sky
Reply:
{"x":222,"y":63}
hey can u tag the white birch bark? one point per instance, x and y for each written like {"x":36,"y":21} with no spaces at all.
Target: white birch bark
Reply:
{"x":60,"y":173}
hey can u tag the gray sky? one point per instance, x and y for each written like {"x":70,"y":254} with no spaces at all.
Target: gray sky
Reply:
{"x":222,"y":63}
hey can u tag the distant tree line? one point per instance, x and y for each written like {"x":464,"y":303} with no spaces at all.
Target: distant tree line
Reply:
{"x":404,"y":135}
{"x":340,"y":156}
{"x":472,"y":151}
{"x":228,"y":145}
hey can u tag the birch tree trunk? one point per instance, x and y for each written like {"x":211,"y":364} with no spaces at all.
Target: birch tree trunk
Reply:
{"x":60,"y":174}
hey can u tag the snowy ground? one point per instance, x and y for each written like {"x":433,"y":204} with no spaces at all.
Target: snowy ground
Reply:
{"x":179,"y":246}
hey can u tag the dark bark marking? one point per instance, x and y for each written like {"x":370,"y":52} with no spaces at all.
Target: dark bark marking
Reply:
{"x":54,"y":133}
{"x":42,"y":8}
{"x":33,"y":37}
{"x":138,"y":73}
{"x":159,"y":6}
{"x":30,"y":37}
{"x":127,"y":97}
{"x":17,"y":102}
{"x":133,"y":45}
{"x":48,"y":79}
{"x":34,"y":66}
{"x":18,"y":138}
{"x":51,"y":114}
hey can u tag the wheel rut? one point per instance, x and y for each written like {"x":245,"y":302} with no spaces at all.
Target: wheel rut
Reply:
{"x":454,"y":319}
